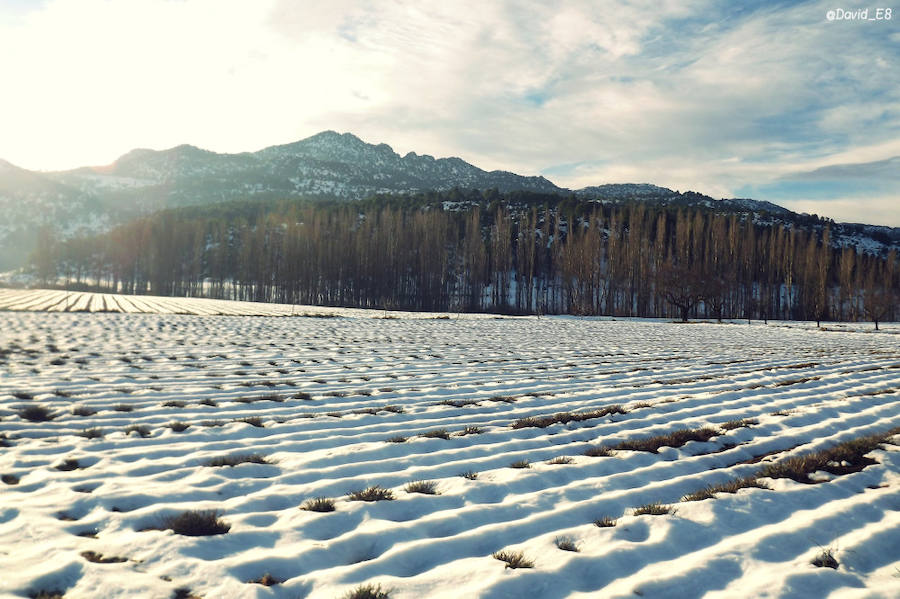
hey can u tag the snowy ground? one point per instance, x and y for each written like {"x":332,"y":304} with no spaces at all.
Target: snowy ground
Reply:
{"x":361,"y":379}
{"x":74,"y":301}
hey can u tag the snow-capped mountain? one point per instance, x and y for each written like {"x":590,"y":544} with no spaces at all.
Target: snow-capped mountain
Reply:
{"x":326,"y":165}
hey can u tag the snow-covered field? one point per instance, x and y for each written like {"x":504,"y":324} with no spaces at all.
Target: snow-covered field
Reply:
{"x":83,"y":503}
{"x":75,"y":301}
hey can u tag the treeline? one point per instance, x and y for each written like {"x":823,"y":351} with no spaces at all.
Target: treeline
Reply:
{"x":512,"y":253}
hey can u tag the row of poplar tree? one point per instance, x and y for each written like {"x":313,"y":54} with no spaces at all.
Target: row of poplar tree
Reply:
{"x":577,"y":257}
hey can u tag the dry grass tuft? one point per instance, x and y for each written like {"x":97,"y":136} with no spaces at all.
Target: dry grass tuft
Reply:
{"x":36,"y":414}
{"x":566,"y":544}
{"x":267,"y":580}
{"x":566,"y":417}
{"x":196,"y":523}
{"x":470,"y":430}
{"x":843,"y":458}
{"x":318,"y":504}
{"x":141,"y":429}
{"x":91,"y":433}
{"x":653,"y":509}
{"x":676,"y":438}
{"x":234,"y":460}
{"x":503,"y":398}
{"x":97,"y":558}
{"x":598,"y":451}
{"x":426,"y":487}
{"x":825,"y":559}
{"x":458,"y":403}
{"x":373,"y":493}
{"x":742,"y":423}
{"x":732,"y":486}
{"x":513,"y":559}
{"x":368,"y":591}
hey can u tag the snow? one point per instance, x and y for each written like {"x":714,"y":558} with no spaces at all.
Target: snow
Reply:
{"x":75,"y":301}
{"x":92,"y":181}
{"x":808,"y":389}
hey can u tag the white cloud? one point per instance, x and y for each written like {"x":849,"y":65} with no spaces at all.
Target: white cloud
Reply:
{"x":878,"y":209}
{"x":693,"y":95}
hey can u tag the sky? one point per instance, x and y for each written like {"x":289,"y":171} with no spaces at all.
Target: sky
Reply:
{"x":770,"y":100}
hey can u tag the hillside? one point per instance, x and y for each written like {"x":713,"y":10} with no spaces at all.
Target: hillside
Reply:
{"x":327,"y":165}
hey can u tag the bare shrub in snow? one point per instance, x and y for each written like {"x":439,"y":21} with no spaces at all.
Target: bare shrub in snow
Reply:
{"x":373,"y":493}
{"x":368,"y":591}
{"x":196,"y":523}
{"x":742,"y":423}
{"x":653,"y":509}
{"x":598,"y":451}
{"x":732,"y":486}
{"x":267,"y":580}
{"x":318,"y":504}
{"x":470,"y":430}
{"x":426,"y":487}
{"x":825,"y":559}
{"x":36,"y":414}
{"x":605,"y":522}
{"x":843,"y":458}
{"x":676,"y":438}
{"x":513,"y":559}
{"x":234,"y":460}
{"x":91,"y":433}
{"x":97,"y":558}
{"x":141,"y":429}
{"x":566,"y":417}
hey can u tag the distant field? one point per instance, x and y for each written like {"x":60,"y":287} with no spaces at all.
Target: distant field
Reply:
{"x":43,"y":300}
{"x":439,"y":457}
